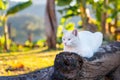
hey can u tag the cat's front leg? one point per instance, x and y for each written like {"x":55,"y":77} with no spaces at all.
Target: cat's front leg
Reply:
{"x":64,"y":49}
{"x":67,"y":49}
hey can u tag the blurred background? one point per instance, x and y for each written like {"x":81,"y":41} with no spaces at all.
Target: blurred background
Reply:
{"x":31,"y":30}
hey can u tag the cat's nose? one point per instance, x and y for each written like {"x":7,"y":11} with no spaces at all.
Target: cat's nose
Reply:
{"x":65,"y":44}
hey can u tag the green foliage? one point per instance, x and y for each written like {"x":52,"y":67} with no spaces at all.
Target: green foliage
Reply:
{"x":14,"y":47}
{"x":3,"y":4}
{"x":22,"y":47}
{"x":115,"y":14}
{"x":99,"y":7}
{"x":63,"y":20}
{"x":63,"y":2}
{"x":69,"y":26}
{"x":18,"y":7}
{"x":28,"y":43}
{"x":70,"y":11}
{"x":12,"y":10}
{"x":59,"y":34}
{"x":98,"y":10}
{"x":41,"y":43}
{"x":2,"y":40}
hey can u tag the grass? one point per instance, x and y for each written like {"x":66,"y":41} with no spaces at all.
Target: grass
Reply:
{"x":24,"y":62}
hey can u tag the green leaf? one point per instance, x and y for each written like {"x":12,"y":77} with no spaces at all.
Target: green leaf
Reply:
{"x":69,"y":12}
{"x":62,"y":21}
{"x":63,"y":2}
{"x":99,"y":11}
{"x":109,"y":20}
{"x":60,"y":11}
{"x":1,"y":24}
{"x":78,"y":1}
{"x":70,"y":26}
{"x":114,"y":14}
{"x":18,"y":7}
{"x":3,"y":5}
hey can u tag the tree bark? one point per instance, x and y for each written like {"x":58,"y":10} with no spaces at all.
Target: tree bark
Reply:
{"x":43,"y":74}
{"x":103,"y":20}
{"x":116,"y":18}
{"x":103,"y":23}
{"x":6,"y":35}
{"x":90,"y":26}
{"x":51,"y":24}
{"x":9,"y":30}
{"x":30,"y":37}
{"x":83,"y":13}
{"x":115,"y":25}
{"x":70,"y":66}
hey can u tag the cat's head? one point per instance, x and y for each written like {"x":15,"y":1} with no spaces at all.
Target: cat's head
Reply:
{"x":70,"y":38}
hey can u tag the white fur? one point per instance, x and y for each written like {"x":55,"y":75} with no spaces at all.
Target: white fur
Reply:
{"x":85,"y":43}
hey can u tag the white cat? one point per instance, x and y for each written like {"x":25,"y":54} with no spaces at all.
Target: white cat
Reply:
{"x":84,"y":43}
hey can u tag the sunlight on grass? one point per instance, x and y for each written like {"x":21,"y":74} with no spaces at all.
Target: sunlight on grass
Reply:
{"x":24,"y":62}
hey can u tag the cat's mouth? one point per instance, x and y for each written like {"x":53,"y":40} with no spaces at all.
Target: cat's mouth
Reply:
{"x":67,"y":45}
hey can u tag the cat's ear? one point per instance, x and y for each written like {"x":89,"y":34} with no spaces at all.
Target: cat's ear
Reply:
{"x":64,"y":30}
{"x":75,"y":32}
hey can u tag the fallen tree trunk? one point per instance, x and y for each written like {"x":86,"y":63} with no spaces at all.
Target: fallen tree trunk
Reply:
{"x":71,"y":66}
{"x":43,"y":74}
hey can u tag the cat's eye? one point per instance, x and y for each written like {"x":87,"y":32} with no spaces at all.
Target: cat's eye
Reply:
{"x":63,"y":39}
{"x":69,"y":39}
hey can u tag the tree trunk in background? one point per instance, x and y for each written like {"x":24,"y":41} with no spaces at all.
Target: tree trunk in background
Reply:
{"x":103,"y":20}
{"x":9,"y":30}
{"x":83,"y":13}
{"x":116,"y":19}
{"x":115,"y":26}
{"x":30,"y":39}
{"x":103,"y":23}
{"x":6,"y":44}
{"x":51,"y":24}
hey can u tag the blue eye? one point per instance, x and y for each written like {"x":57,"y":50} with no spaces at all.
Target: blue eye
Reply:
{"x":63,"y":39}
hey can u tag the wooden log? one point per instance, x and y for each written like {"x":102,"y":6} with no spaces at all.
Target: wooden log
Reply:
{"x":71,"y":66}
{"x":115,"y":75}
{"x":43,"y":74}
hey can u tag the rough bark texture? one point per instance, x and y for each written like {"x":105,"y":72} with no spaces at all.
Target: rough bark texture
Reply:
{"x":90,"y":26}
{"x":44,"y":74}
{"x":70,"y":66}
{"x":6,"y":36}
{"x":103,"y":19}
{"x":83,"y":14}
{"x":51,"y":24}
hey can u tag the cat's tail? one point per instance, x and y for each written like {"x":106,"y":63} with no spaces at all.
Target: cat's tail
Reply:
{"x":99,"y":39}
